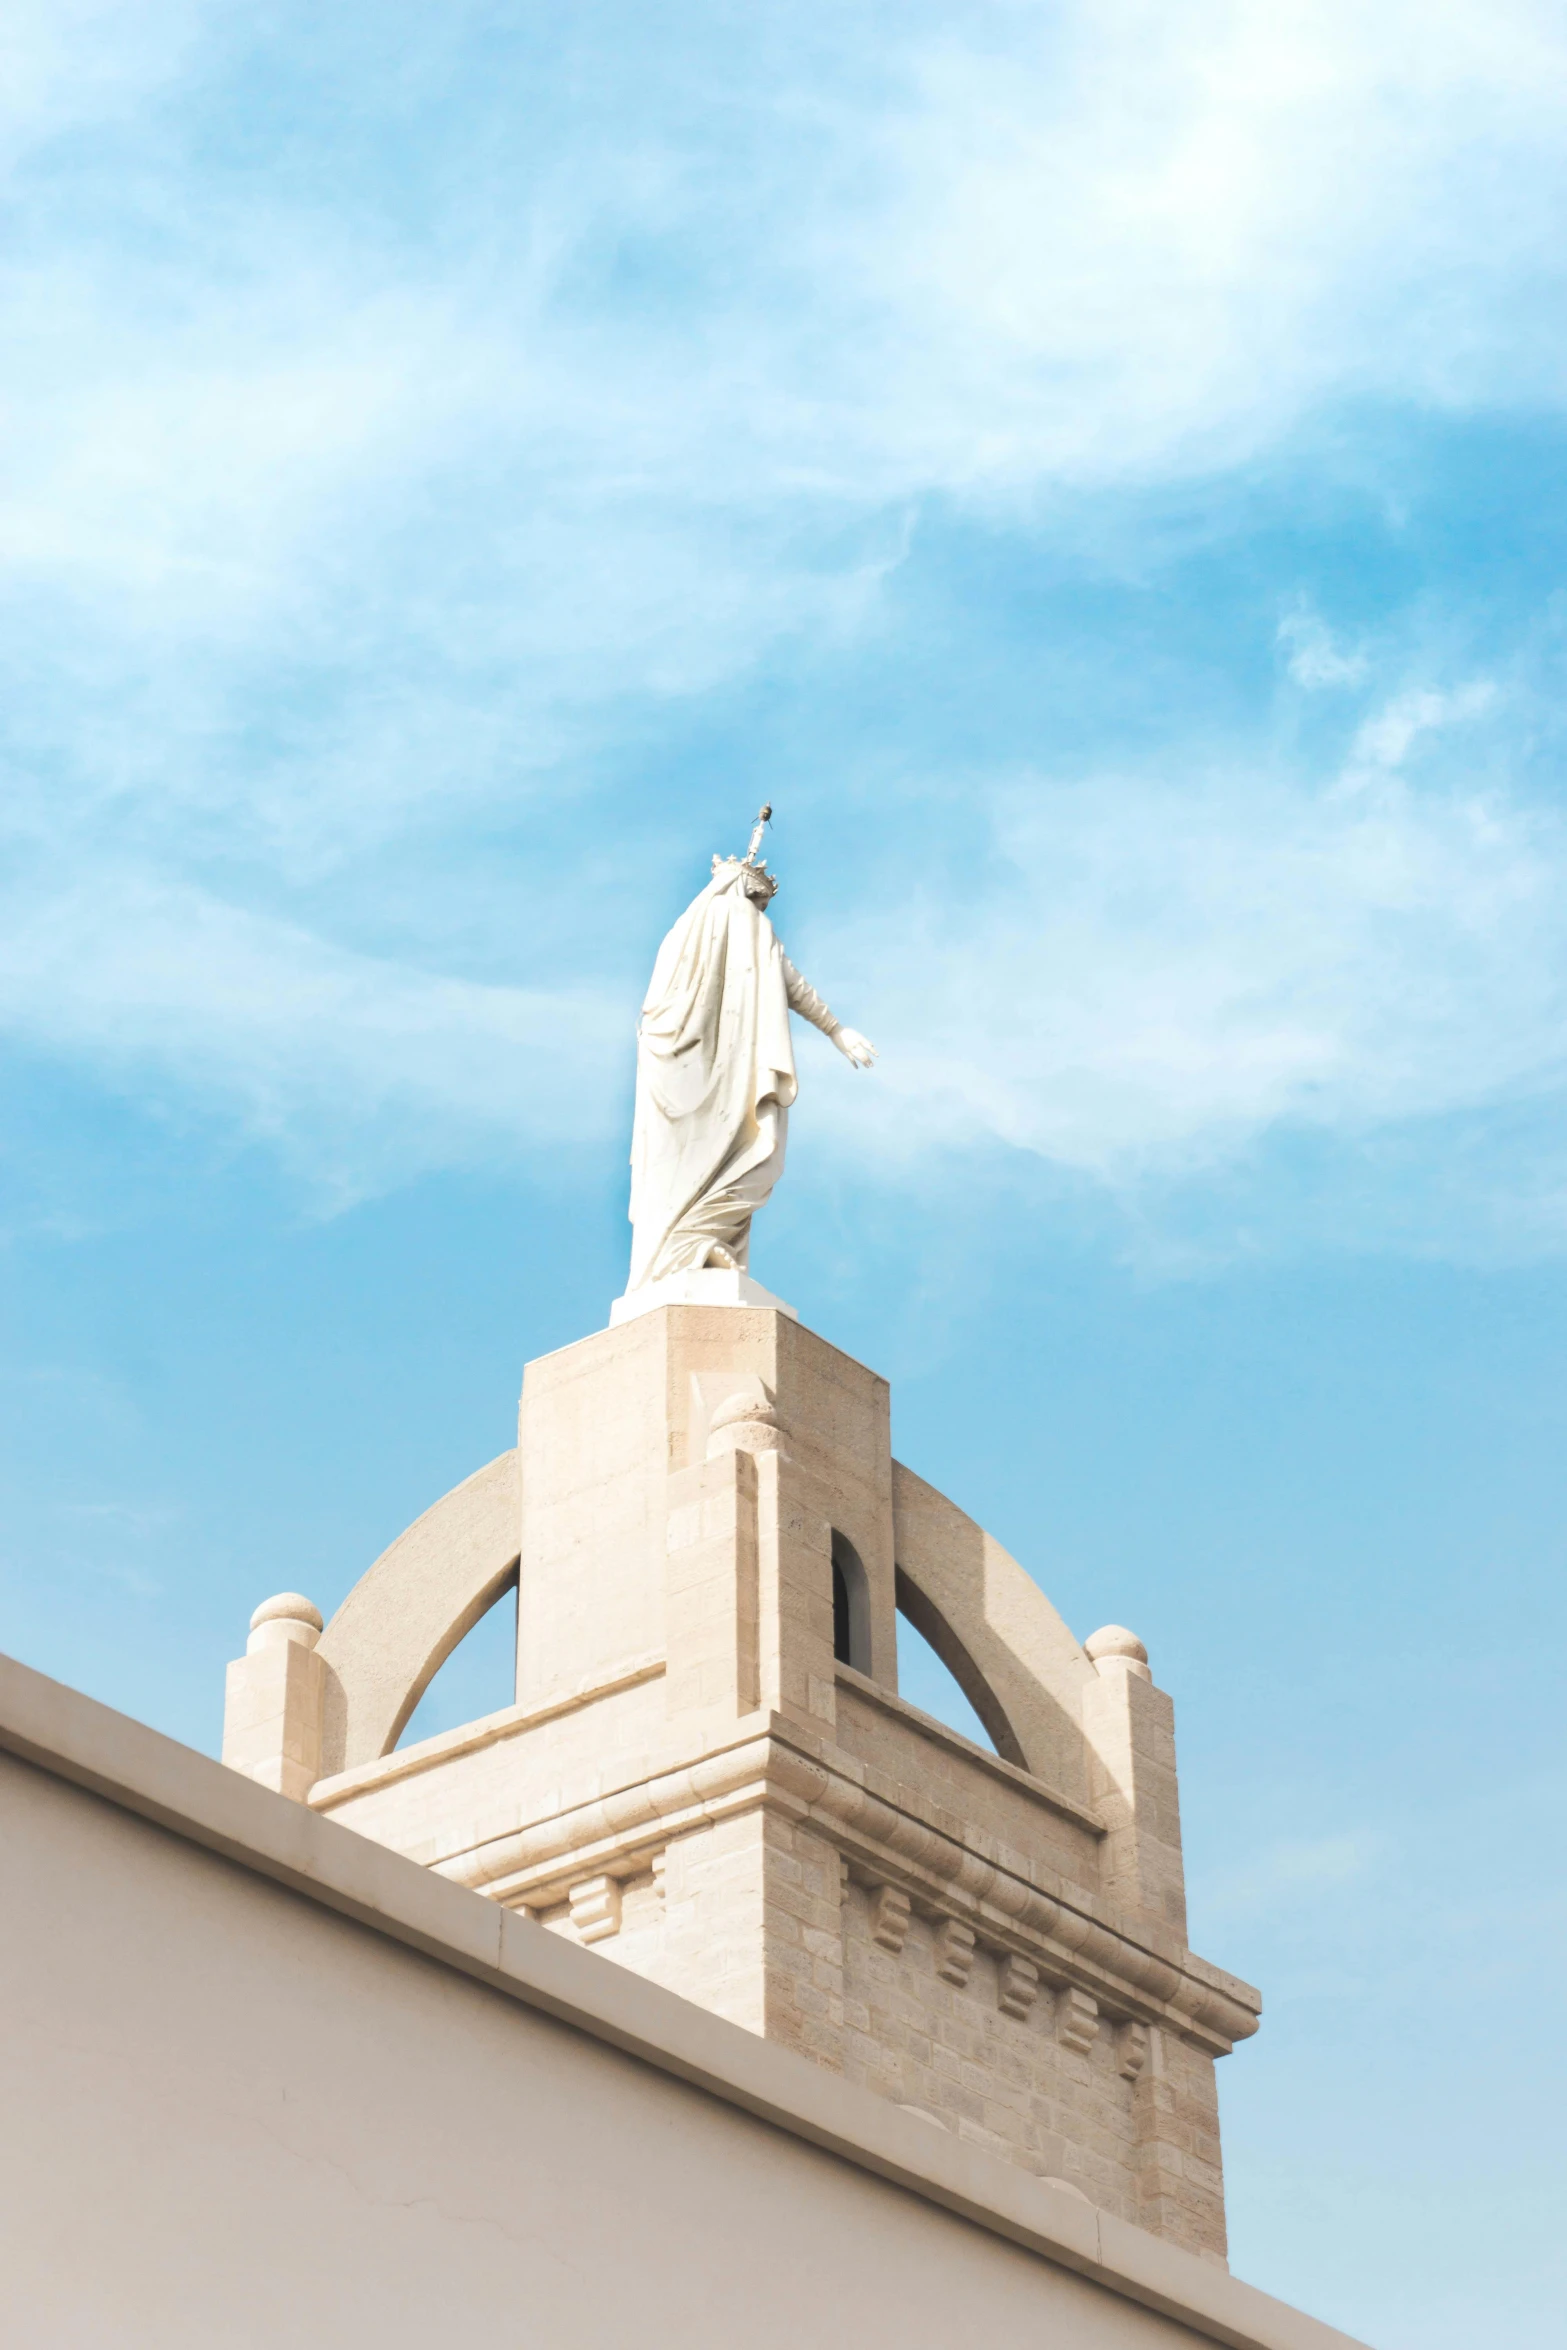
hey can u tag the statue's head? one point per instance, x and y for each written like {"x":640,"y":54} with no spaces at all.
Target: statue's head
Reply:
{"x":750,"y":871}
{"x":760,"y":886}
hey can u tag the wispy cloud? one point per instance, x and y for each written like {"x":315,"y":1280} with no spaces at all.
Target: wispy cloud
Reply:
{"x":1289,"y":1873}
{"x":1384,"y":741}
{"x":1315,"y":657}
{"x":1156,"y":971}
{"x":358,"y":1071}
{"x":363,"y":484}
{"x":1135,"y":238}
{"x":595,"y":424}
{"x":1165,"y":966}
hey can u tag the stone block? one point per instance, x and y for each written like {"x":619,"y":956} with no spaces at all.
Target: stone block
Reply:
{"x":1077,"y":2020}
{"x":954,"y":1951}
{"x":1131,"y":2050}
{"x":890,"y":1917}
{"x":1017,"y":1985}
{"x":595,"y":1904}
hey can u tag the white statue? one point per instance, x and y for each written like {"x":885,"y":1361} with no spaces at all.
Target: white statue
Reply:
{"x":715,"y":1076}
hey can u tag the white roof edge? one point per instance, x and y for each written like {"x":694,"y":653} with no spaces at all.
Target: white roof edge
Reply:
{"x":75,"y":1738}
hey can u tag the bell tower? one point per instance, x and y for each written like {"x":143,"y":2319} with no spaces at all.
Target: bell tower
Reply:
{"x":708,"y":1774}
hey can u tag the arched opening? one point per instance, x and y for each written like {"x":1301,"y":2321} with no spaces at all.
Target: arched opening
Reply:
{"x":923,"y":1680}
{"x":851,"y":1606}
{"x":954,"y":1669}
{"x":478,"y":1678}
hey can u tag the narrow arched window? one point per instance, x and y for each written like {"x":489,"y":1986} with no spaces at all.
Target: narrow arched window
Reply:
{"x":851,"y":1606}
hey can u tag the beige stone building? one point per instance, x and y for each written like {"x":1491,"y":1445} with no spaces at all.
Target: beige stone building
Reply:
{"x":709,"y":1995}
{"x":708,"y":1776}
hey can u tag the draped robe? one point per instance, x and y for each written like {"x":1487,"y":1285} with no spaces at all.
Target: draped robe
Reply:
{"x":715,"y":1078}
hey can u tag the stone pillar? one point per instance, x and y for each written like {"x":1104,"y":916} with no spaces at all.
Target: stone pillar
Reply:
{"x":273,"y":1707}
{"x":1180,"y":2170}
{"x":1130,"y":1729}
{"x":753,"y":1928}
{"x":748,"y":1614}
{"x":752,"y":1924}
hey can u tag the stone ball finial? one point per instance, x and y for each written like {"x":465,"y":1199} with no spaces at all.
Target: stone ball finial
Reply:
{"x":746,"y":1421}
{"x":288,"y":1616}
{"x":1112,"y":1647}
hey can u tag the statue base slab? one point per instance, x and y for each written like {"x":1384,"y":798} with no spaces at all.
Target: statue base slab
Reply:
{"x":708,"y":1285}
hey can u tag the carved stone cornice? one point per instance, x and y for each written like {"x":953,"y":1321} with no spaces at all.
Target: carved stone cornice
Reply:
{"x":1132,"y":1968}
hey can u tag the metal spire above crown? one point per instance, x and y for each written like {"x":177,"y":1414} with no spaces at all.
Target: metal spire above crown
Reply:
{"x":764,"y":817}
{"x":761,"y":887}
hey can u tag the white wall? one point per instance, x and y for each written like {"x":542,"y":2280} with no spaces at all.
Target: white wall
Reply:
{"x":236,"y":2116}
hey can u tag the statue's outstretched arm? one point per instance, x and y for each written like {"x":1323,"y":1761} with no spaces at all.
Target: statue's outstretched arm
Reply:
{"x":804,"y":999}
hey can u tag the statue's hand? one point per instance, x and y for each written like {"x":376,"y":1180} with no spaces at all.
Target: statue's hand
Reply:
{"x":854,"y":1047}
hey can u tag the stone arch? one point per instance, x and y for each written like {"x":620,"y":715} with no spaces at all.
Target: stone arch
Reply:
{"x":996,"y":1633}
{"x":408,"y":1611}
{"x":933,"y":1627}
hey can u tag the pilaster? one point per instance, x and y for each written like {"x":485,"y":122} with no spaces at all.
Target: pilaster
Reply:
{"x":273,"y":1698}
{"x":1130,"y":1728}
{"x":711,"y":1674}
{"x":753,"y":1929}
{"x":1179,"y":2166}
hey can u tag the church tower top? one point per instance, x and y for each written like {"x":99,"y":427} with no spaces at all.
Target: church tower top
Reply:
{"x":708,"y":1773}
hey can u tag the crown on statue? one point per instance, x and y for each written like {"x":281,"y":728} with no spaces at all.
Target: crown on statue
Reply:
{"x":759,"y":883}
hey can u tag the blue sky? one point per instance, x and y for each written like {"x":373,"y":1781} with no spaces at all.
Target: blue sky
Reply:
{"x":1100,"y":472}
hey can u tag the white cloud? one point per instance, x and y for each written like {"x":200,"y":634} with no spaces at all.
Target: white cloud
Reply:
{"x":1155,"y":975}
{"x":1164,"y":970}
{"x":1121,"y":241}
{"x":1074,"y":245}
{"x":75,"y":63}
{"x":1314,"y":656}
{"x":1385,"y":740}
{"x":357,"y":1070}
{"x":1289,"y":1873}
{"x":361,"y":481}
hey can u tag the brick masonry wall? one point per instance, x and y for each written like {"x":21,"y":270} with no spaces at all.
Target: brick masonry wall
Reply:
{"x":756,"y":1919}
{"x":1023,"y":2086}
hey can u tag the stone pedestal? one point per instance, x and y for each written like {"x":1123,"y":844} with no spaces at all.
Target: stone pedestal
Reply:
{"x":705,"y":1285}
